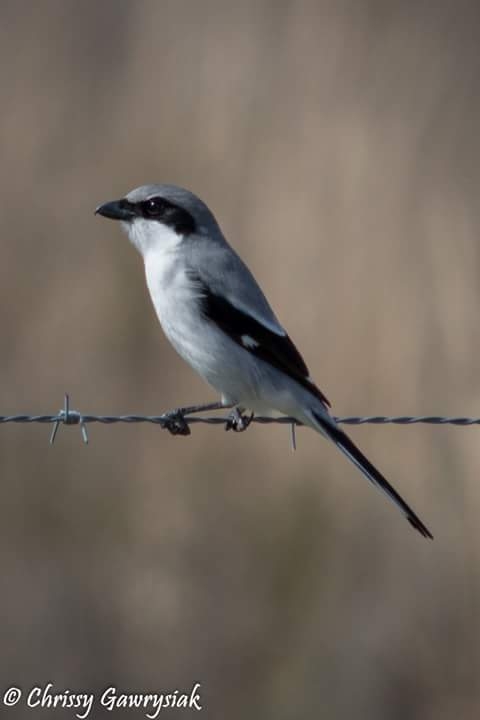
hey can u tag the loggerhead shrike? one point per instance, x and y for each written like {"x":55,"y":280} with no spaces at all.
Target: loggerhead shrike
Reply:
{"x":218,"y":319}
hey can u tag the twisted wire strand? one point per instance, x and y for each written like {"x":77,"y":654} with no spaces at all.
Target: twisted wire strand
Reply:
{"x":178,"y":422}
{"x":76,"y":418}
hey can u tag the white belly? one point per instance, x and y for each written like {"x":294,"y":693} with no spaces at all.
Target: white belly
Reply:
{"x":178,"y":311}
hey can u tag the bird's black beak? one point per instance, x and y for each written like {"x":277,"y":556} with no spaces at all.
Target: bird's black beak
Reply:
{"x":116,"y":210}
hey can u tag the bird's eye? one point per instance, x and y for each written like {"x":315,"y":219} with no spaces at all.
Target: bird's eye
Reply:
{"x":153,"y":207}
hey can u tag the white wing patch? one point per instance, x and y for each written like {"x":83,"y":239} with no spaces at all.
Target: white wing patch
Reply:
{"x":249,"y":342}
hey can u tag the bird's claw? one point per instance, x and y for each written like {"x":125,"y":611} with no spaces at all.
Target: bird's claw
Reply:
{"x":174,"y":421}
{"x":238,"y":422}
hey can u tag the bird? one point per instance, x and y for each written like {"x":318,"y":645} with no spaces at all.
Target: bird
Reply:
{"x":214,"y":313}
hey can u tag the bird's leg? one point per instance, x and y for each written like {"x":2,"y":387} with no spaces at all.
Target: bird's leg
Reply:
{"x":191,"y":409}
{"x":174,"y":420}
{"x":237,"y":421}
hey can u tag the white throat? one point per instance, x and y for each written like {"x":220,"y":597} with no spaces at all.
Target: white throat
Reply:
{"x":151,"y":236}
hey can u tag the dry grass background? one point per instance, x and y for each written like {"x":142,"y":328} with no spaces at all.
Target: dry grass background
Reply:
{"x":337,"y":143}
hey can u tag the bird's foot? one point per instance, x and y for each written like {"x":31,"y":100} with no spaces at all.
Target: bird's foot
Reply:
{"x":238,"y":422}
{"x":174,"y":421}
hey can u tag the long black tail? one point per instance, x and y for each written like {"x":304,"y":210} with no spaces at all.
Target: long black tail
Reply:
{"x":343,"y":442}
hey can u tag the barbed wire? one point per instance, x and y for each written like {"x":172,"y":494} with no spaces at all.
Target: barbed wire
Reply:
{"x":178,"y":421}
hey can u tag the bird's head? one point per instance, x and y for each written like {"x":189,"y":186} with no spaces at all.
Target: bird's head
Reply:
{"x":158,"y":217}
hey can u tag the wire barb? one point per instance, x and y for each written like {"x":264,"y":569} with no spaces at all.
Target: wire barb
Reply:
{"x":293,"y":437}
{"x":178,"y":421}
{"x":68,"y":417}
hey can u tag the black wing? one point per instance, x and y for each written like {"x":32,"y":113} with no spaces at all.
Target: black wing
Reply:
{"x":255,"y":338}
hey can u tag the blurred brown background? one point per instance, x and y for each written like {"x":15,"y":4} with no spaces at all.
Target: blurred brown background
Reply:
{"x":337,"y":143}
